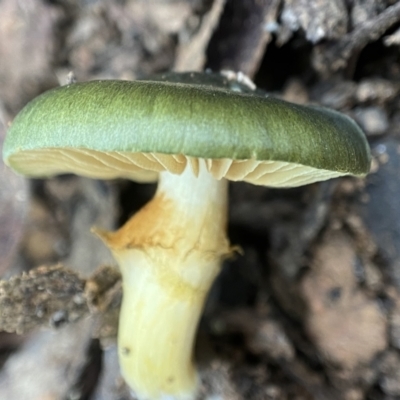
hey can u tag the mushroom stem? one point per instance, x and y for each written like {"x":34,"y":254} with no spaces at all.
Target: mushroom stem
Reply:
{"x":169,"y":254}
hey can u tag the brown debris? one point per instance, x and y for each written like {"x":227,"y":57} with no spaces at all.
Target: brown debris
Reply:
{"x":348,"y":328}
{"x":340,"y":96}
{"x":320,"y":19}
{"x":364,"y":10}
{"x":373,"y":120}
{"x":244,"y":32}
{"x":55,"y":296}
{"x":377,"y":90}
{"x":295,"y":92}
{"x":191,"y":52}
{"x":13,"y":206}
{"x":217,"y":382}
{"x":46,"y":296}
{"x":27,"y":45}
{"x":47,"y":365}
{"x":390,"y":367}
{"x":393,"y":39}
{"x":103,"y":291}
{"x":264,"y":335}
{"x":330,"y":58}
{"x":111,"y":385}
{"x":44,"y":238}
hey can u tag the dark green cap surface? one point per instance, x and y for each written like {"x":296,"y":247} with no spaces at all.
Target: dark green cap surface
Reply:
{"x":191,"y":119}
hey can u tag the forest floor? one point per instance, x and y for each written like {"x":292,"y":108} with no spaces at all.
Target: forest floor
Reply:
{"x":310,"y":308}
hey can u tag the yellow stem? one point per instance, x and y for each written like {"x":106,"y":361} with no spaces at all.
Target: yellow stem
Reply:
{"x":169,"y":254}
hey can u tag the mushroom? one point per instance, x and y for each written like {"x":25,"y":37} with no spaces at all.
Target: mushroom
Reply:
{"x":194,"y":132}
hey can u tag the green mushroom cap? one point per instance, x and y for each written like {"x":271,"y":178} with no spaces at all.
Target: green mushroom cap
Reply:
{"x":108,"y":129}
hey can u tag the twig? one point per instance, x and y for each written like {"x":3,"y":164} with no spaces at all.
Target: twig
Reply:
{"x":329,"y":58}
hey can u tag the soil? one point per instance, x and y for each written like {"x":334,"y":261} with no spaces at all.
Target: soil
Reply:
{"x":309,"y":308}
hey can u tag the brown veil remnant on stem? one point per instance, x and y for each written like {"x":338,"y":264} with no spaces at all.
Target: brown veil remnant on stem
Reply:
{"x":193,"y":132}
